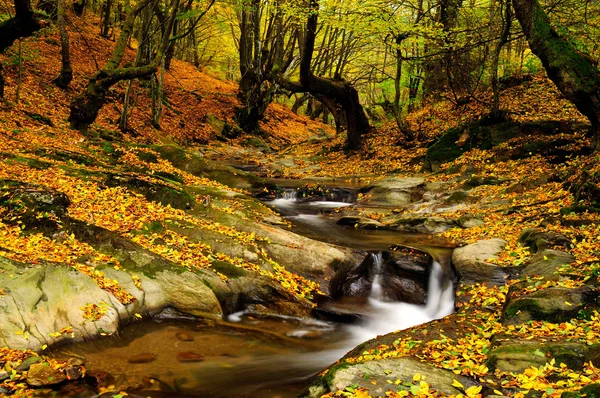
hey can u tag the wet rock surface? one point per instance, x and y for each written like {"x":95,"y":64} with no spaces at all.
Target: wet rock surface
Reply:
{"x":403,"y":276}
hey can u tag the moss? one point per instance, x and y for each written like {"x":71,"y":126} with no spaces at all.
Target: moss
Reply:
{"x":458,"y":197}
{"x":257,"y":143}
{"x":34,"y":163}
{"x":578,"y":209}
{"x":229,"y":270}
{"x":179,"y":199}
{"x":481,"y":181}
{"x":169,"y":177}
{"x":66,"y":156}
{"x":147,"y":157}
{"x":328,"y":378}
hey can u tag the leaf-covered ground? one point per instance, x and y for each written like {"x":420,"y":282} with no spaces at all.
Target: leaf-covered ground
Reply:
{"x":38,"y":149}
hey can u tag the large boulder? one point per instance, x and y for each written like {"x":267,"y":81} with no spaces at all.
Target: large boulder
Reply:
{"x":422,"y":224}
{"x":393,"y":191}
{"x":546,"y":262}
{"x":516,"y":356}
{"x":403,"y":274}
{"x":471,"y":265}
{"x":538,"y":240}
{"x":386,"y":374}
{"x":554,"y":305}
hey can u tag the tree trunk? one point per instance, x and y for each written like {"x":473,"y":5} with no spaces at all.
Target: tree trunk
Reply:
{"x":20,"y":73}
{"x":22,"y":25}
{"x":1,"y":83}
{"x":505,"y":12}
{"x":85,"y":106}
{"x":79,"y":7}
{"x":106,"y":18}
{"x":408,"y":134}
{"x":574,"y":73}
{"x":338,"y":90}
{"x":66,"y":72}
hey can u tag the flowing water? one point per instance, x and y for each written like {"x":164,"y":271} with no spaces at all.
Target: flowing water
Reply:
{"x":254,"y":356}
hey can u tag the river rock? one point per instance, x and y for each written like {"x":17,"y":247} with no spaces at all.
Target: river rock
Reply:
{"x":471,"y":266}
{"x":145,"y":357}
{"x":184,"y":336}
{"x":189,"y":356}
{"x":359,"y":222}
{"x":403,"y":276}
{"x":3,"y":376}
{"x":26,"y":364}
{"x":516,"y":356}
{"x":42,"y":374}
{"x":546,"y":262}
{"x":394,"y":191}
{"x":422,"y":224}
{"x":554,"y":305}
{"x":382,"y":376}
{"x":538,"y":240}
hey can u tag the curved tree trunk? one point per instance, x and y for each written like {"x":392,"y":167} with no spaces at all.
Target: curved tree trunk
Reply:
{"x":338,"y":90}
{"x":85,"y":106}
{"x":574,"y":73}
{"x":23,"y":24}
{"x":66,"y":72}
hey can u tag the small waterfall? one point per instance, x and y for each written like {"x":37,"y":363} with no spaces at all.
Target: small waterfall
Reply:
{"x":290,"y":194}
{"x":376,"y":288}
{"x":389,"y":317}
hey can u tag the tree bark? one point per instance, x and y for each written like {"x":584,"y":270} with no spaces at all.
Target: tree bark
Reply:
{"x":505,"y":12}
{"x":66,"y":72}
{"x":106,"y":18}
{"x":574,"y":73}
{"x":1,"y":83}
{"x":85,"y":106}
{"x":23,"y":24}
{"x":338,"y":90}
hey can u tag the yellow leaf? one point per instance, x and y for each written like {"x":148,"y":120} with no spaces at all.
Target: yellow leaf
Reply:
{"x":498,"y":392}
{"x":457,"y":384}
{"x":417,"y":377}
{"x":44,"y":346}
{"x":138,"y":316}
{"x":473,"y":391}
{"x":569,"y":304}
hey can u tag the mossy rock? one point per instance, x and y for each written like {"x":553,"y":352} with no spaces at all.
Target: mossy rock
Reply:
{"x":198,"y":166}
{"x":446,"y":149}
{"x":34,"y":163}
{"x":516,"y":356}
{"x":66,"y":156}
{"x":257,"y":143}
{"x":229,"y":270}
{"x":546,"y":263}
{"x":32,"y":206}
{"x":147,"y":157}
{"x":458,"y":197}
{"x":474,"y":182}
{"x":554,"y":305}
{"x":176,"y":198}
{"x":538,"y":240}
{"x":579,"y":209}
{"x":486,"y":133}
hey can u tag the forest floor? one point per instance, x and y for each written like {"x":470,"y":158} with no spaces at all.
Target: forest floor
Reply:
{"x":514,"y":193}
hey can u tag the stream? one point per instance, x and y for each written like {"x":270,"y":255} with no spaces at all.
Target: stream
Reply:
{"x":248,"y":355}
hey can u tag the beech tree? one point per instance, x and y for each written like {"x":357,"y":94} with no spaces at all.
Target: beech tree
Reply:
{"x":86,"y":105}
{"x":24,"y":23}
{"x":574,"y":73}
{"x":266,"y":49}
{"x":66,"y":72}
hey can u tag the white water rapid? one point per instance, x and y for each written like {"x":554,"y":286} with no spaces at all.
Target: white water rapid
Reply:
{"x":388,"y":317}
